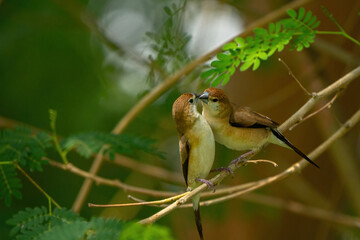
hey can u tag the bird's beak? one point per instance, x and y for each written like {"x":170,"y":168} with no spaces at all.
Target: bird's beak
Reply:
{"x":196,"y":97}
{"x":204,"y":97}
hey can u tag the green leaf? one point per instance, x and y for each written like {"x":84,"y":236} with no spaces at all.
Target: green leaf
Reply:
{"x":307,"y":17}
{"x":256,"y":64}
{"x":226,"y":79}
{"x":260,"y":31}
{"x":240,"y":41}
{"x":277,"y":27}
{"x":25,"y":221}
{"x":230,"y":45}
{"x":105,"y":229}
{"x":246,"y":65}
{"x":10,"y":184}
{"x":74,"y":231}
{"x":168,"y":11}
{"x":218,"y":80}
{"x":263,"y":56}
{"x":315,"y":25}
{"x":301,"y":13}
{"x":134,"y":231}
{"x":312,"y":21}
{"x":271,"y":28}
{"x":223,"y":56}
{"x":207,"y":73}
{"x":292,"y":13}
{"x":91,"y":143}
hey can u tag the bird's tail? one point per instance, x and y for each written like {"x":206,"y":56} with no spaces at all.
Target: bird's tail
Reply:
{"x":196,"y":206}
{"x":284,"y":140}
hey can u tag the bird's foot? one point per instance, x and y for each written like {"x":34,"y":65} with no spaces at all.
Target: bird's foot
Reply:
{"x":207,"y":182}
{"x":242,"y":159}
{"x":225,"y":169}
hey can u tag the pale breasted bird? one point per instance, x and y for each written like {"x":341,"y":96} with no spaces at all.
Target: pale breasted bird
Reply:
{"x":196,"y":145}
{"x":240,"y":128}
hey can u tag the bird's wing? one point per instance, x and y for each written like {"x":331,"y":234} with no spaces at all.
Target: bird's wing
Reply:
{"x":245,"y":117}
{"x":184,"y":156}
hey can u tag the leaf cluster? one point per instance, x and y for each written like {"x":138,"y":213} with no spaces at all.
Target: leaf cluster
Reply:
{"x":19,"y":147}
{"x":169,"y":42}
{"x":90,"y":143}
{"x":298,"y":31}
{"x":38,"y":223}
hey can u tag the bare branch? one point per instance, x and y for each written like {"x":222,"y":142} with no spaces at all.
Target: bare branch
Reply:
{"x":333,"y":88}
{"x":291,"y":206}
{"x":327,"y":105}
{"x":263,"y":182}
{"x":114,"y":183}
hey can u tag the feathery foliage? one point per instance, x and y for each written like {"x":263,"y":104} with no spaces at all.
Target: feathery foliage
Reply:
{"x":89,"y":143}
{"x":63,"y":224}
{"x":19,"y":146}
{"x":23,"y":147}
{"x":169,"y":42}
{"x":298,"y":30}
{"x":10,"y":184}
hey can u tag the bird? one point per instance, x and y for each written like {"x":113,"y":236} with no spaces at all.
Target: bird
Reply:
{"x":196,"y":147}
{"x":240,"y":128}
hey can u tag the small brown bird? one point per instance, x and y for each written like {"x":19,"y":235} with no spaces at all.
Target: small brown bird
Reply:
{"x":240,"y":128}
{"x":197,"y":147}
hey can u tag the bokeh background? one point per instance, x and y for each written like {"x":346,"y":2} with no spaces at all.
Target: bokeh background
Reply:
{"x":93,"y":60}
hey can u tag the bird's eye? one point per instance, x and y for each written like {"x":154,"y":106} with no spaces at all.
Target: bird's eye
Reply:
{"x":191,"y":100}
{"x":215,"y":100}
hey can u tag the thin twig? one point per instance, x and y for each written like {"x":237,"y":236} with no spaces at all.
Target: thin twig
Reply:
{"x":262,"y":161}
{"x":147,"y":169}
{"x":157,"y":202}
{"x":37,"y":185}
{"x":291,"y":206}
{"x":293,"y":76}
{"x":114,"y":183}
{"x":327,"y":105}
{"x":173,"y":197}
{"x":165,"y":85}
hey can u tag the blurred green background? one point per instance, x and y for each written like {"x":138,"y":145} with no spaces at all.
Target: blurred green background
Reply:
{"x":92,"y":61}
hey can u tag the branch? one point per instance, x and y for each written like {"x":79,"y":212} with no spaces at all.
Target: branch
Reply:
{"x":337,"y":86}
{"x":291,"y":170}
{"x":291,"y":206}
{"x":147,"y":169}
{"x":333,"y":88}
{"x":165,"y":85}
{"x":327,"y":105}
{"x":114,"y":183}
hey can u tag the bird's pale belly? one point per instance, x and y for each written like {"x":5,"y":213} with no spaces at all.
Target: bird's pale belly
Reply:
{"x":241,"y":139}
{"x":202,"y":157}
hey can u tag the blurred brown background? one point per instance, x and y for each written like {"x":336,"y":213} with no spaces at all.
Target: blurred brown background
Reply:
{"x":53,"y":55}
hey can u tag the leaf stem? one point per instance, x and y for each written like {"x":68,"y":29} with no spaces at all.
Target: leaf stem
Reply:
{"x":344,"y":34}
{"x":53,"y":115}
{"x":37,"y":186}
{"x":6,"y":163}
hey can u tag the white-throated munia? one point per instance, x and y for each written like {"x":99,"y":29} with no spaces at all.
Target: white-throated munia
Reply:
{"x":240,"y":128}
{"x":196,"y":144}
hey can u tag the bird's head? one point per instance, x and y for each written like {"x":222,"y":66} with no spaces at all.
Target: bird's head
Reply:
{"x":215,"y":102}
{"x":184,"y":110}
